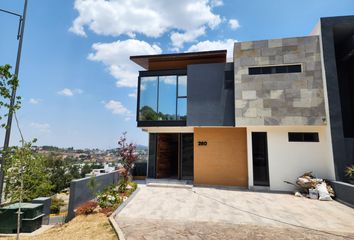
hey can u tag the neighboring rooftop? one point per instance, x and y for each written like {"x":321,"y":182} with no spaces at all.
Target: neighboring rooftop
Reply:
{"x":179,"y":60}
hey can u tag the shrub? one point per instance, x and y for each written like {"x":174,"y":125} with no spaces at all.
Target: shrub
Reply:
{"x":122,"y":185}
{"x":133,"y":186}
{"x":86,"y":208}
{"x":349,"y":171}
{"x":57,"y":203}
{"x":109,"y":197}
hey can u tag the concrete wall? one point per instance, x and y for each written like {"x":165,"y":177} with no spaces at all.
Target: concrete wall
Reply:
{"x":209,"y":101}
{"x":344,"y":192}
{"x":80,"y":192}
{"x":289,"y":160}
{"x":279,"y":99}
{"x":223,"y":161}
{"x":46,"y":201}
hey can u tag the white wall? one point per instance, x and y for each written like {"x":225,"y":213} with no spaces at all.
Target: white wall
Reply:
{"x":288,"y":160}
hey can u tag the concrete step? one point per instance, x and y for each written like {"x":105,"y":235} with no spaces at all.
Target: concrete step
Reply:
{"x":172,"y":183}
{"x":169,"y":185}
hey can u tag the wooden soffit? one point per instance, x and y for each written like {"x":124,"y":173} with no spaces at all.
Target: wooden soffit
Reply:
{"x":178,"y":60}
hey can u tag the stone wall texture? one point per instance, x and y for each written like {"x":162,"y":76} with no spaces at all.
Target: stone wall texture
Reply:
{"x":283,"y":98}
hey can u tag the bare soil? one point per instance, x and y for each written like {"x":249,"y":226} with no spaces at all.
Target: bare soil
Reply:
{"x":91,"y":227}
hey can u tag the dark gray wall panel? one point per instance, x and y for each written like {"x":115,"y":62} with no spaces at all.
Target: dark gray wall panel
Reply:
{"x":152,"y":155}
{"x":344,"y":192}
{"x":343,"y":148}
{"x":210,"y":101}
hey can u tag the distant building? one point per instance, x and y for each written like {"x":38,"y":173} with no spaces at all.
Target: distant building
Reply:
{"x":105,"y":169}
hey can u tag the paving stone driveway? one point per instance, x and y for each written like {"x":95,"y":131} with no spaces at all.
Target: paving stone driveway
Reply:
{"x":214,"y":213}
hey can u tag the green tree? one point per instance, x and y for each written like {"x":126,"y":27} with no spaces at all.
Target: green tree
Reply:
{"x":23,"y":168}
{"x":59,"y":172}
{"x":24,"y":176}
{"x":85,"y":170}
{"x":74,"y":172}
{"x":147,"y":113}
{"x":8,"y":83}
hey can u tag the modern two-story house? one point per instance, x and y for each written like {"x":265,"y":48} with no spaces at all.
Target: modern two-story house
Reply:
{"x":282,"y":107}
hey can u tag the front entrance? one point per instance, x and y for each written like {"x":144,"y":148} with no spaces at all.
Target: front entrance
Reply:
{"x":167,"y":156}
{"x":171,"y":156}
{"x":260,"y":159}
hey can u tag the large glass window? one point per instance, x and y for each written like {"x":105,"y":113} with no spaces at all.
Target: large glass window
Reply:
{"x":182,"y":98}
{"x":182,"y":109}
{"x":163,"y":98}
{"x":182,"y":86}
{"x":167,"y":97}
{"x":148,"y":98}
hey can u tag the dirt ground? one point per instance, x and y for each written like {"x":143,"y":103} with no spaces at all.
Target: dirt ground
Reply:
{"x":91,"y":227}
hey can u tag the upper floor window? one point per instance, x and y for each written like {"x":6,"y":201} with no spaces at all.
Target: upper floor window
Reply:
{"x":303,"y":137}
{"x":275,"y":69}
{"x":163,"y":98}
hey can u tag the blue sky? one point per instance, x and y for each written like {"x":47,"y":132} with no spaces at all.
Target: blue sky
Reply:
{"x":77,"y":81}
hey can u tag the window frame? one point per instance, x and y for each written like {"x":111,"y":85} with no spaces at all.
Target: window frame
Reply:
{"x":157,"y":73}
{"x":315,"y":137}
{"x":272,"y":69}
{"x":179,"y":97}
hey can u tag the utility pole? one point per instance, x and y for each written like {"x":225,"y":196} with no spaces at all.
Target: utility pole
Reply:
{"x":21,"y":29}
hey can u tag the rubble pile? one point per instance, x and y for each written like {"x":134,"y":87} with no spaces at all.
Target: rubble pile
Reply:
{"x":315,"y":188}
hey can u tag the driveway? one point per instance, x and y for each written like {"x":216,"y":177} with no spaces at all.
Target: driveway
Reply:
{"x":215,"y":213}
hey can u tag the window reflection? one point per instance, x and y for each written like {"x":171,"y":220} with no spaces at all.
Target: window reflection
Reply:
{"x":182,"y":86}
{"x":148,"y":99}
{"x":159,"y":100}
{"x":167,"y":97}
{"x":182,"y":109}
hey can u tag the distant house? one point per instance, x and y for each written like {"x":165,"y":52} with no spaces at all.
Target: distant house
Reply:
{"x":99,"y":171}
{"x":280,"y":108}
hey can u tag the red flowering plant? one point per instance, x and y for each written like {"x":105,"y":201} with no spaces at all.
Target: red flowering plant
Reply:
{"x":127,"y":156}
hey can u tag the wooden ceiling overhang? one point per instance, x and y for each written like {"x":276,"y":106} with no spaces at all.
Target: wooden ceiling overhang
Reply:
{"x":178,"y":60}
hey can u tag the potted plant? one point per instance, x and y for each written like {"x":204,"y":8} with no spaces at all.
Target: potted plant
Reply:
{"x":349,"y":172}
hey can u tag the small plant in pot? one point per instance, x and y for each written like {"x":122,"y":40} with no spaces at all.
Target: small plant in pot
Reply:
{"x":349,"y":172}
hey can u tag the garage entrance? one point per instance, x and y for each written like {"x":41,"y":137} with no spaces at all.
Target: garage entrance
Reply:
{"x":220,"y":156}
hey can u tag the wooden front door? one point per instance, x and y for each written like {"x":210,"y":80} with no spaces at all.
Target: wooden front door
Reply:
{"x":167,"y":155}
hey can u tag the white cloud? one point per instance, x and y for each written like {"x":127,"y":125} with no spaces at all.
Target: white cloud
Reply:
{"x":34,"y":101}
{"x":227,"y":44}
{"x":216,"y":3}
{"x":234,"y":24}
{"x":152,"y":18}
{"x":116,"y":55}
{"x":42,"y":127}
{"x":178,"y":39}
{"x":117,"y":107}
{"x":69,"y":92}
{"x":133,"y":94}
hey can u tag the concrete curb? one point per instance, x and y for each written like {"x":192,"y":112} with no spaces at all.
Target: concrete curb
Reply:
{"x":112,"y":219}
